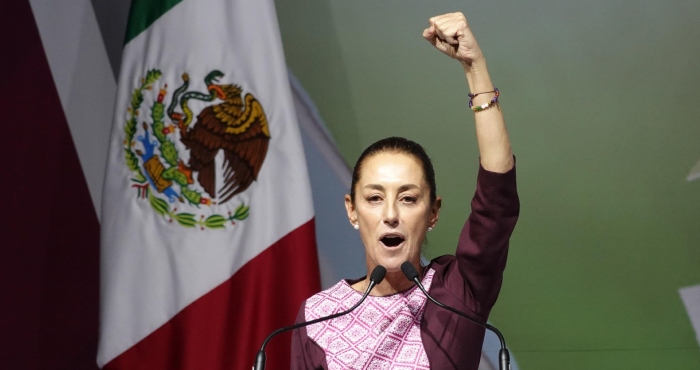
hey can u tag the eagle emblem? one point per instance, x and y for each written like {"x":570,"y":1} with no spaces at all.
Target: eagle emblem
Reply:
{"x":234,"y":125}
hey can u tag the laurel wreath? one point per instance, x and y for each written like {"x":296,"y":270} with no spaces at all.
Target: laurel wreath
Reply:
{"x":214,"y":221}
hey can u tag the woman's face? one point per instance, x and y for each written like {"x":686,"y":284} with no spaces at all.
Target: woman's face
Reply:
{"x":392,"y":208}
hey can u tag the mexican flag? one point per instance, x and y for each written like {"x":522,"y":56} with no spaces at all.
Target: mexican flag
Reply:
{"x":207,"y":241}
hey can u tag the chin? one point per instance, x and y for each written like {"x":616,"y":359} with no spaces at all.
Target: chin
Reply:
{"x":392,"y":267}
{"x":393,"y":264}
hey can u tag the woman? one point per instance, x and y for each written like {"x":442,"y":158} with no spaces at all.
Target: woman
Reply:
{"x":393,"y":204}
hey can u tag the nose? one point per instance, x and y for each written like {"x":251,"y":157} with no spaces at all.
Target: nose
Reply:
{"x":391,"y":214}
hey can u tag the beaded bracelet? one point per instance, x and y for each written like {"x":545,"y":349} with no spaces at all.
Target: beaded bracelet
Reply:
{"x":488,"y":105}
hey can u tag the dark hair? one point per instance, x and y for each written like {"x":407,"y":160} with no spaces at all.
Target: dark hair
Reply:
{"x":397,"y":145}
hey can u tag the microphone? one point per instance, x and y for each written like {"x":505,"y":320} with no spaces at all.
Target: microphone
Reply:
{"x":503,"y":355}
{"x":375,"y":278}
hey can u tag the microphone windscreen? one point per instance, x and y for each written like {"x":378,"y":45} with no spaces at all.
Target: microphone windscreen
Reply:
{"x":378,"y":274}
{"x":408,"y":270}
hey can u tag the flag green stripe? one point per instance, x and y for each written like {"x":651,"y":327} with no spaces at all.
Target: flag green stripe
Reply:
{"x":143,"y":13}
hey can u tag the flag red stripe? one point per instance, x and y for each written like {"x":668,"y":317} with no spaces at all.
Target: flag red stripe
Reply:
{"x":225,"y":327}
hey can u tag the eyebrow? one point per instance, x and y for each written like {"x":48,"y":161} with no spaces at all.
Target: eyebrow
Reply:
{"x":402,"y":188}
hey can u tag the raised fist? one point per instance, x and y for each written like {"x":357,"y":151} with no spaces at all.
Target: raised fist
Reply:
{"x":450,"y":34}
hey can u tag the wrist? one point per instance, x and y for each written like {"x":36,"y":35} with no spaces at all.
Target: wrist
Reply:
{"x":475,"y":65}
{"x":477,"y":75}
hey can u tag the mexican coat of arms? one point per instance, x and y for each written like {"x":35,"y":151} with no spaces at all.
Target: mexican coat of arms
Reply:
{"x":231,"y":124}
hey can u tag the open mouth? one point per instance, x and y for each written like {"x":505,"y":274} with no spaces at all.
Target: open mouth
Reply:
{"x":392,"y":240}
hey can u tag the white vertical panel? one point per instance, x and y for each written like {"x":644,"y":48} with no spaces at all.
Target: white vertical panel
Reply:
{"x":84,"y":80}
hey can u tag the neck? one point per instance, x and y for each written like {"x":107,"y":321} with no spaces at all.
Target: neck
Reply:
{"x":394,"y":282}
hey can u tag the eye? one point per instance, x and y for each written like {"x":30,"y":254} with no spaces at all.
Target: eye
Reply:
{"x":374,"y":198}
{"x":409,"y":199}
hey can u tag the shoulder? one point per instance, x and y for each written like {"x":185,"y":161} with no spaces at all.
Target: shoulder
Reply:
{"x":442,"y":262}
{"x":443,"y":265}
{"x":447,"y":277}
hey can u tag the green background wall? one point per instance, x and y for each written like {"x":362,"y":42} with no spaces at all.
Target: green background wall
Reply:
{"x":601,"y":100}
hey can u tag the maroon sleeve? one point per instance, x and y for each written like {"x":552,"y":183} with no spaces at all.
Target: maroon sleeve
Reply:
{"x":483,"y":243}
{"x":305,"y":353}
{"x":471,"y":280}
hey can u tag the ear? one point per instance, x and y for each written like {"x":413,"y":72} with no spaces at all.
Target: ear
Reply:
{"x":350,"y":209}
{"x":435,"y":211}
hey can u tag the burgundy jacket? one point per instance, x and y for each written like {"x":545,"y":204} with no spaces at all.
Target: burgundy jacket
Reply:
{"x":468,"y":281}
